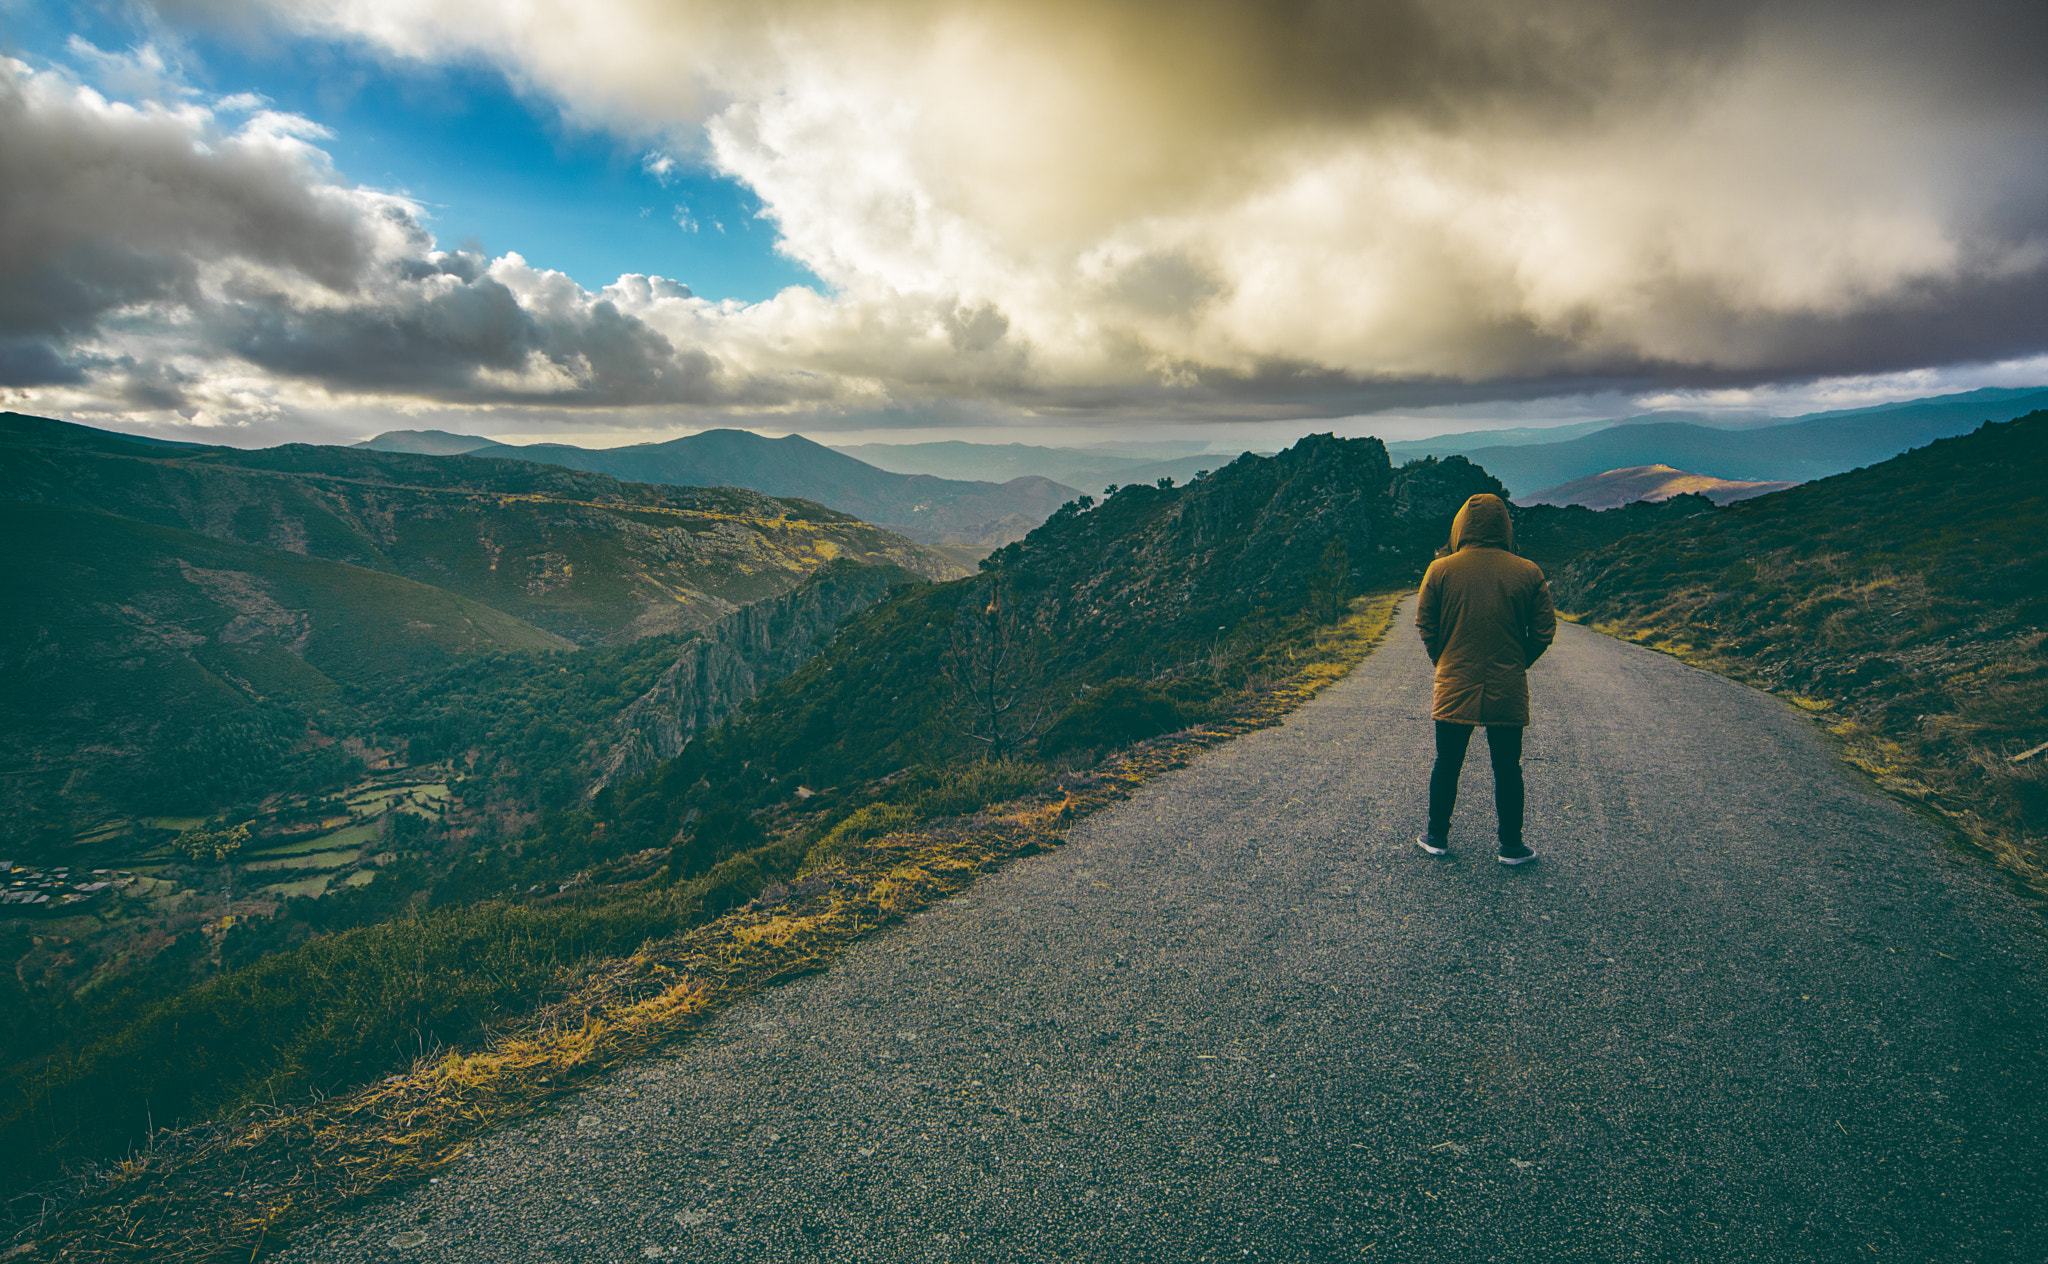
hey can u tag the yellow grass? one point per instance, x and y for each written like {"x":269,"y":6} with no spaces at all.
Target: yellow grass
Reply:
{"x":231,"y":1192}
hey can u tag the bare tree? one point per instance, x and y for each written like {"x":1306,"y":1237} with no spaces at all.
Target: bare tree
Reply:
{"x":993,"y":665}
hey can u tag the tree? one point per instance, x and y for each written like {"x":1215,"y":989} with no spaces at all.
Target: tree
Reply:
{"x":211,"y":842}
{"x":992,"y":664}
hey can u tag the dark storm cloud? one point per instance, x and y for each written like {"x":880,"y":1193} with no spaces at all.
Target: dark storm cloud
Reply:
{"x":422,"y":337}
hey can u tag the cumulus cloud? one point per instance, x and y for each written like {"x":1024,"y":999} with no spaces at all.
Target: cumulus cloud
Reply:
{"x":154,"y":258}
{"x":1475,"y":189}
{"x":112,"y":206}
{"x":1222,"y":205}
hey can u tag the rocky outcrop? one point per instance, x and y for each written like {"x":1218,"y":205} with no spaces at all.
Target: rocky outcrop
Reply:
{"x":1261,"y":533}
{"x":735,"y":659}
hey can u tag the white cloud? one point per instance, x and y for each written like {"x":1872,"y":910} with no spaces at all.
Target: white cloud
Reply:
{"x":661,"y":166}
{"x":1215,"y":208}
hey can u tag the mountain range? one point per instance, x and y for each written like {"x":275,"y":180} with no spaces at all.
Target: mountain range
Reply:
{"x":464,"y":723}
{"x":216,"y":601}
{"x":583,"y":555}
{"x":1089,"y":468}
{"x":945,"y":494}
{"x":927,"y":509}
{"x":1611,"y":489}
{"x":1793,"y":451}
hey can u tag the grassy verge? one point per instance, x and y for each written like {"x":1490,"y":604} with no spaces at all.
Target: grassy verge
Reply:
{"x":1956,"y":761}
{"x":1905,"y":606}
{"x":230,"y":1190}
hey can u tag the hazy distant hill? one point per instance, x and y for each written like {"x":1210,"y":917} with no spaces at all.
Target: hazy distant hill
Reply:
{"x":1614,"y":488}
{"x":927,"y":509}
{"x":1076,"y":467}
{"x":580,"y":554}
{"x":1519,"y":436}
{"x":425,"y":443}
{"x":1090,"y":469}
{"x":1796,"y":451}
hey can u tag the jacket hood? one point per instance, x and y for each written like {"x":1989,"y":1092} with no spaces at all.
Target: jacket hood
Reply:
{"x":1483,"y":521}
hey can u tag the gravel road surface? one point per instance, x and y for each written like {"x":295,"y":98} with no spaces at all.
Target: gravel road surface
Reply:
{"x":1743,"y":1008}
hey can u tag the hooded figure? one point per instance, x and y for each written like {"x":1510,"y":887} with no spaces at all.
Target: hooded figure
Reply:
{"x":1485,"y":616}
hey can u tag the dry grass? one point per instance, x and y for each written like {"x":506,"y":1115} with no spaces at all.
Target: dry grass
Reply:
{"x":230,"y":1191}
{"x":1954,"y":760}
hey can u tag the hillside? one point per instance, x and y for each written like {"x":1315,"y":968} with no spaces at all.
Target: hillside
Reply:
{"x":583,"y":555}
{"x":930,"y":510}
{"x":1906,"y":603}
{"x":1111,"y":622}
{"x":1075,"y":467}
{"x":462,"y":871}
{"x":1612,"y":489}
{"x":132,"y":656}
{"x":1797,"y":451}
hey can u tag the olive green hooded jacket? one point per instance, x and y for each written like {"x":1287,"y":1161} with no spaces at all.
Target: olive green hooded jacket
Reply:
{"x":1485,"y":616}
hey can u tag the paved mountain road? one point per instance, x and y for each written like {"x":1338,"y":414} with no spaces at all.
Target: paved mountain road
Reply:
{"x":1743,"y":1008}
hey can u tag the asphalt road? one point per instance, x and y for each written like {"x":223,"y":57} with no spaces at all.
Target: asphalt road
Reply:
{"x":1742,"y":1009}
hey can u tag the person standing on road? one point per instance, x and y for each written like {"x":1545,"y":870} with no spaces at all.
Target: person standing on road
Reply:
{"x":1485,"y":618}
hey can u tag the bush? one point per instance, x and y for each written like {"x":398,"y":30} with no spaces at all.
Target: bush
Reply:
{"x":1117,"y":714}
{"x":321,"y":1016}
{"x":723,"y":832}
{"x":872,"y":821}
{"x":971,"y":787}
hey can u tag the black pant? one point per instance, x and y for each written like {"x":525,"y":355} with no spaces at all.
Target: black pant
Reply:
{"x":1504,"y":744}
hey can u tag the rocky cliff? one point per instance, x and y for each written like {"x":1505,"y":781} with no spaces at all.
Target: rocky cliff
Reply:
{"x":735,"y":659}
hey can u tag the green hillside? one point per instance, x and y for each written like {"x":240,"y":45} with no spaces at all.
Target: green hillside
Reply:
{"x":121,"y":641}
{"x":582,"y":555}
{"x":1111,"y":622}
{"x":1906,"y":603}
{"x":473,"y":874}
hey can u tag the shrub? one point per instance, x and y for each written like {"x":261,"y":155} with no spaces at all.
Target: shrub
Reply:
{"x":1117,"y":714}
{"x":872,"y":821}
{"x":971,"y":787}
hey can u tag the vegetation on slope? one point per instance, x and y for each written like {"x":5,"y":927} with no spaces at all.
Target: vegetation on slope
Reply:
{"x":225,"y":1192}
{"x":1906,"y":603}
{"x":1116,"y":620}
{"x":579,"y":554}
{"x":879,"y":731}
{"x":928,"y":509}
{"x":142,"y":664}
{"x":1199,"y":609}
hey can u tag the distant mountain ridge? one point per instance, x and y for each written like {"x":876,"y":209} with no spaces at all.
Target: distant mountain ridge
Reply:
{"x":1612,"y":489}
{"x":168,"y":604}
{"x":1796,"y":451}
{"x":426,"y":443}
{"x":1087,"y":468}
{"x":922,"y":507}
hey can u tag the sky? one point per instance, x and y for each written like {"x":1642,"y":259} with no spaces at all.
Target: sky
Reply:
{"x":251,"y":222}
